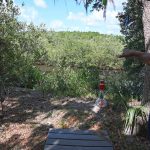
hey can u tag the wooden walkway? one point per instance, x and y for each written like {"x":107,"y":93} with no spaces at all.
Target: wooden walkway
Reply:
{"x":69,"y":139}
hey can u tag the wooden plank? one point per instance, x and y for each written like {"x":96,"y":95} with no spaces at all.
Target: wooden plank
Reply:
{"x":57,"y":147}
{"x":71,"y":131}
{"x":70,"y":139}
{"x":77,"y":142}
{"x":74,"y":137}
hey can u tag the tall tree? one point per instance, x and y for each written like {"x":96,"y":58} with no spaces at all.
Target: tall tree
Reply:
{"x":132,"y":29}
{"x":146,"y":25}
{"x":21,"y":45}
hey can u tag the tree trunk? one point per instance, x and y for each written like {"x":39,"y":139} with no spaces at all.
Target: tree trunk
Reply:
{"x":146,"y":25}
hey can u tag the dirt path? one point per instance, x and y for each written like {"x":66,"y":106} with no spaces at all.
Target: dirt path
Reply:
{"x":28,"y":117}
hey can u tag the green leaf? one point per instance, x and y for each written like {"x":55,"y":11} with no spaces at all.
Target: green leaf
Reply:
{"x":104,"y":2}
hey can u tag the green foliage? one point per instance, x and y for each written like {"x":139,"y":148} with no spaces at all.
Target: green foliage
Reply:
{"x":129,"y":84}
{"x":122,"y":88}
{"x":77,"y":49}
{"x":66,"y":81}
{"x":20,"y":47}
{"x":131,"y":119}
{"x":95,"y":4}
{"x":75,"y":61}
{"x":28,"y":76}
{"x":134,"y":35}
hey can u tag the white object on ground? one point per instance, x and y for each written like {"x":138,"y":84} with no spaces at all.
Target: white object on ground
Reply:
{"x":99,"y":104}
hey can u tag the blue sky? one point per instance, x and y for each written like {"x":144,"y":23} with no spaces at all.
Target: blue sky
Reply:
{"x":65,"y":15}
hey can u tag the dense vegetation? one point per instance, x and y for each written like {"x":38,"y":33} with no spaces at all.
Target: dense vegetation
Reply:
{"x":20,"y":47}
{"x":71,"y":63}
{"x":77,"y":60}
{"x":74,"y":60}
{"x":132,"y":29}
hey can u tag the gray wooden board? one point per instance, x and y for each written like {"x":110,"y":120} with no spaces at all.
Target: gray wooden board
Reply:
{"x":69,"y":139}
{"x":77,"y":142}
{"x":71,"y":131}
{"x":57,"y":147}
{"x":74,"y":137}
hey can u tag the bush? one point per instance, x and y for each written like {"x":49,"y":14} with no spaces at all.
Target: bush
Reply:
{"x":135,"y":119}
{"x":123,"y":88}
{"x":69,"y":82}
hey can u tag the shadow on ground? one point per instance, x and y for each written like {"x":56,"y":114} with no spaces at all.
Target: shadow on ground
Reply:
{"x":28,"y":117}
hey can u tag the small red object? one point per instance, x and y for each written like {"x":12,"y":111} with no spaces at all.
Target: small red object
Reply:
{"x":102,"y":86}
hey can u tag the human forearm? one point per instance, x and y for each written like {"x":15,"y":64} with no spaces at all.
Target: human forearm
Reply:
{"x":145,"y":57}
{"x":131,"y":53}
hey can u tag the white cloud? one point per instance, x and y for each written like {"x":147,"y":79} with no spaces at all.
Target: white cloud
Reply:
{"x":28,"y":14}
{"x":73,"y":28}
{"x":113,"y":29}
{"x":56,"y":24}
{"x":94,"y":21}
{"x":40,"y":3}
{"x":76,"y":16}
{"x":118,"y":4}
{"x":91,"y":20}
{"x":111,"y":18}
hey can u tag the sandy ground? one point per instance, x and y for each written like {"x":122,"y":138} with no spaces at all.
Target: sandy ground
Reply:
{"x":28,"y":116}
